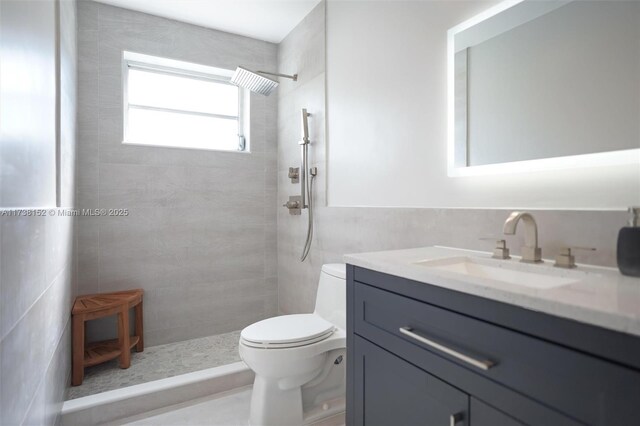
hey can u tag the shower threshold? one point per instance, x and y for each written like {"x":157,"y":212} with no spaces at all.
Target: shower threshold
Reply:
{"x":120,"y":406}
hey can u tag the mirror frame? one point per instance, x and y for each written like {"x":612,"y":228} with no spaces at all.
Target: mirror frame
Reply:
{"x":611,"y":158}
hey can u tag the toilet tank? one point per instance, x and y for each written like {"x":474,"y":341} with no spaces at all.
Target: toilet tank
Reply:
{"x":332,"y":291}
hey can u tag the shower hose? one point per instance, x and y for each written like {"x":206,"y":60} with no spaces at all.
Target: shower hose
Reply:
{"x":307,"y":244}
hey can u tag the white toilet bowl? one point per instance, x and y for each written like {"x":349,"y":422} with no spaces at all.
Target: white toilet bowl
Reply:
{"x":299,"y":360}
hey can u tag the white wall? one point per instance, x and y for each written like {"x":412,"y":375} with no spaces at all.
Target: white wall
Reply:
{"x":386,"y":118}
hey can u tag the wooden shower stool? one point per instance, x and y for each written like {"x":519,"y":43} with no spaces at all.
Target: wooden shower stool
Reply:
{"x":93,"y":306}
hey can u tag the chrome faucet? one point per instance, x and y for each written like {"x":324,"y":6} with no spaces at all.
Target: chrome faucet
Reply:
{"x":531,"y":253}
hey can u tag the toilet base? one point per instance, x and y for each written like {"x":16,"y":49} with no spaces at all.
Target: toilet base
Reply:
{"x":269,"y":408}
{"x":302,"y":399}
{"x":271,"y":405}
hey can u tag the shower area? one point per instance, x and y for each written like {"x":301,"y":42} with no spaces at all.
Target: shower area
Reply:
{"x":200,"y":234}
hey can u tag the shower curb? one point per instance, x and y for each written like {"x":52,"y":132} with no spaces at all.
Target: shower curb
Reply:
{"x":133,"y":400}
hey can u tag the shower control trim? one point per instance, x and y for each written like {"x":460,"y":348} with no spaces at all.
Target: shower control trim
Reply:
{"x":294,"y":205}
{"x":294,"y":174}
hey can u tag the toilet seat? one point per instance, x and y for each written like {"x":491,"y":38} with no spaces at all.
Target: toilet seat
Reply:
{"x":287,"y":331}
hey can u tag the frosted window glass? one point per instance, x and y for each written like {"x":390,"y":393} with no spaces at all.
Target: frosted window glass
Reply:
{"x":174,"y":91}
{"x":171,"y":108}
{"x":150,"y":127}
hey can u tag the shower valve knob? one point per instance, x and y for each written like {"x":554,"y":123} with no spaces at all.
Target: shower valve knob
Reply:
{"x":294,"y":205}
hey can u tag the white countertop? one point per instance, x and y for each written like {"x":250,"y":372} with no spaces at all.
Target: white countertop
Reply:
{"x":603,"y":297}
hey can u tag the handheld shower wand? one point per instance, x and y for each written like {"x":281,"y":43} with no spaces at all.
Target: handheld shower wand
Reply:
{"x":304,"y":145}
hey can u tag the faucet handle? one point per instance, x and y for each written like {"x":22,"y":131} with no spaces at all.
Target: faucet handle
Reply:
{"x":500,"y":251}
{"x":567,"y":260}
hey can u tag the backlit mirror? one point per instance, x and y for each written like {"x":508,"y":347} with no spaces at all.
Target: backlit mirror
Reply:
{"x":537,"y":85}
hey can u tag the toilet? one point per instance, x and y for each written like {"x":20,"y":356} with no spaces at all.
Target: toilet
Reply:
{"x":300,"y":360}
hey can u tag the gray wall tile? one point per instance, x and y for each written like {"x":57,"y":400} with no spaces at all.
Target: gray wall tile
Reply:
{"x":198,"y":239}
{"x":27,"y":350}
{"x":46,"y":405}
{"x":36,"y":282}
{"x":23,"y":267}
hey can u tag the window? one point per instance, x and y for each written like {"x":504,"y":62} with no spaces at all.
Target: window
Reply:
{"x":178,"y":104}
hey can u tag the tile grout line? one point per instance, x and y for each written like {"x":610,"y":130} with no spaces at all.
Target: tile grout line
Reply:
{"x":30,"y":307}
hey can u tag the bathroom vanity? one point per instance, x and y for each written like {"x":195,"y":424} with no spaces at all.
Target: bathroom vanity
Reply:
{"x":440,"y":336}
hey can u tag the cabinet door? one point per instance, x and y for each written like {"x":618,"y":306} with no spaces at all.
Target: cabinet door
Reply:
{"x":391,"y":391}
{"x":485,"y":415}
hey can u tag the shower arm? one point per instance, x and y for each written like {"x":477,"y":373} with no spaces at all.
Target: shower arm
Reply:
{"x":292,"y":77}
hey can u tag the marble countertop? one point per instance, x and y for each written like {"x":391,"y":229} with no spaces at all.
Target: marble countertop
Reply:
{"x":602,"y":296}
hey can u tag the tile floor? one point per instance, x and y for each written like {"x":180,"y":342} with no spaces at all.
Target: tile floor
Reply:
{"x":159,"y":362}
{"x":227,"y":409}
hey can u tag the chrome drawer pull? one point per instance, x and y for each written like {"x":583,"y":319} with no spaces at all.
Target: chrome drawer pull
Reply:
{"x":481,"y":364}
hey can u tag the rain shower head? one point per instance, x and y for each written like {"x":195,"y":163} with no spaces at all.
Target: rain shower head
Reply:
{"x":256,"y":82}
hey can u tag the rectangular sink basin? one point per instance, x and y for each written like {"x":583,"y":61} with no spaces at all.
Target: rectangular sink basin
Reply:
{"x":505,"y":271}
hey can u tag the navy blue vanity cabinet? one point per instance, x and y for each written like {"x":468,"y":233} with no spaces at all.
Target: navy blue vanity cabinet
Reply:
{"x":424,"y":355}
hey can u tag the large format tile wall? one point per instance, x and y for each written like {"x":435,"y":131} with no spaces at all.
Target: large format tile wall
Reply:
{"x":340,"y":230}
{"x":200,"y":237}
{"x":36,"y":285}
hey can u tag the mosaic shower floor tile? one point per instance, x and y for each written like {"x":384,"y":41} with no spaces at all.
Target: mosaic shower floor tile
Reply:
{"x":160,"y":362}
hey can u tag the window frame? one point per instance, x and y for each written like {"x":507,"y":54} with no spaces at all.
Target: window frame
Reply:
{"x":171,"y":67}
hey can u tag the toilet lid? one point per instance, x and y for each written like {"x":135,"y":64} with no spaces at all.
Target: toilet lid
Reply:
{"x":287,"y":329}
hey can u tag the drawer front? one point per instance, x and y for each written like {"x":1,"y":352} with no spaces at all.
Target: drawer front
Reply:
{"x":585,"y":388}
{"x":395,"y":392}
{"x":484,"y":415}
